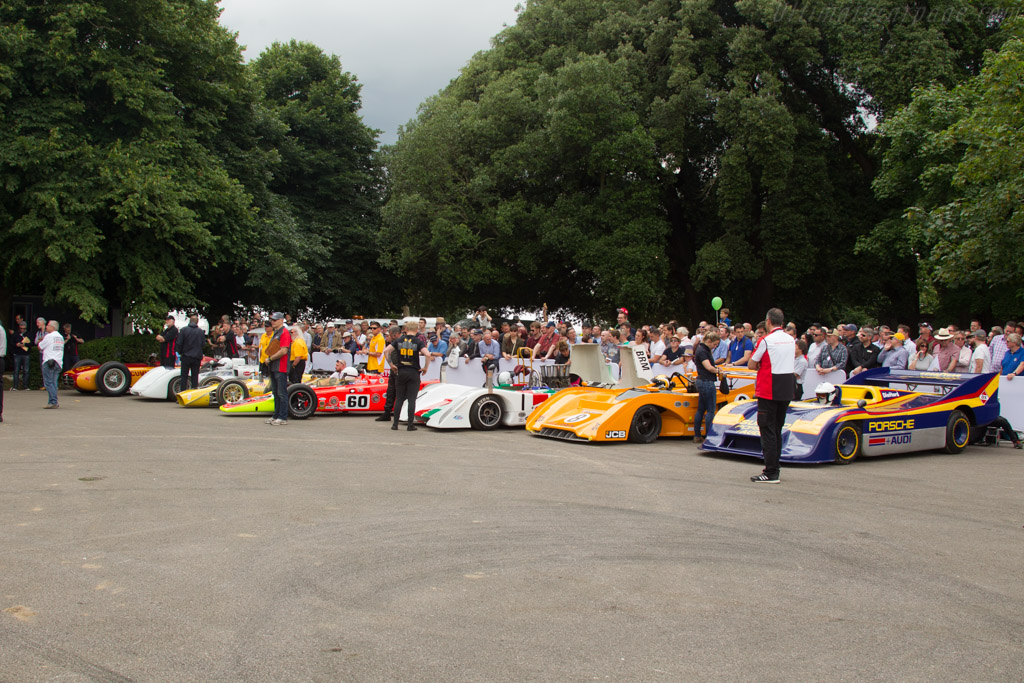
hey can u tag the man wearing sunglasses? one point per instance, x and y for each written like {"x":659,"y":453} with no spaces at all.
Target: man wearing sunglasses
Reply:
{"x":375,"y":350}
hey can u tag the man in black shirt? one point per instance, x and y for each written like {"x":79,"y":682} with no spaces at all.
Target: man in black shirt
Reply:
{"x":168,"y":339}
{"x":190,"y":348}
{"x":407,"y":380}
{"x":707,"y":392}
{"x":863,"y":353}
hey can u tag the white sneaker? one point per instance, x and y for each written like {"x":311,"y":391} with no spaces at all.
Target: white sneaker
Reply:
{"x":269,"y":420}
{"x":279,"y":423}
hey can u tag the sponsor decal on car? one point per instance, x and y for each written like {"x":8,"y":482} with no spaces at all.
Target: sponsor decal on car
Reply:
{"x":615,"y":434}
{"x":890,"y":425}
{"x":886,"y":395}
{"x":580,"y":417}
{"x":891,"y":439}
{"x":983,"y":398}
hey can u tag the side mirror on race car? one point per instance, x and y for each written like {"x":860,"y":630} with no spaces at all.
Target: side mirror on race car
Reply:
{"x":861,"y":403}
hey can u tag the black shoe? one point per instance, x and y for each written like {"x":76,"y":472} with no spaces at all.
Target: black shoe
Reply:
{"x":395,"y":427}
{"x":410,"y":428}
{"x":383,"y":418}
{"x":765,"y":479}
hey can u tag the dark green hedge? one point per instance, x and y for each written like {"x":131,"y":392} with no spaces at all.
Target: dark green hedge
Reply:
{"x":134,"y":349}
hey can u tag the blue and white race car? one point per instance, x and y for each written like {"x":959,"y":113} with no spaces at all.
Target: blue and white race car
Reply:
{"x":876,"y":412}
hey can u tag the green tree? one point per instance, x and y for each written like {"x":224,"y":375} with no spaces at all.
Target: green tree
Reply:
{"x":121,"y":184}
{"x":654,"y":153}
{"x":955,"y":161}
{"x":327,"y":179}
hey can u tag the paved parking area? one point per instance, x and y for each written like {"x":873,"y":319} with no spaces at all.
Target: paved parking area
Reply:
{"x":144,"y":541}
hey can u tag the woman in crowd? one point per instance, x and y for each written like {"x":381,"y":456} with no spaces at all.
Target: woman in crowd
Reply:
{"x":922,"y":359}
{"x":708,"y":375}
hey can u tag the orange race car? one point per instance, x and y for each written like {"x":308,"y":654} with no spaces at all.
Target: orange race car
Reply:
{"x":110,"y":379}
{"x":666,"y":406}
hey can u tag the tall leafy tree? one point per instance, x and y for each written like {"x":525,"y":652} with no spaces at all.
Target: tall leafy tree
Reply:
{"x":654,"y":153}
{"x":955,"y":164}
{"x":327,"y":178}
{"x":121,"y":184}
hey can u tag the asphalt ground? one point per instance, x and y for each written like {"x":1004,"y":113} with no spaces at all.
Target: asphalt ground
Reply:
{"x":144,"y":541}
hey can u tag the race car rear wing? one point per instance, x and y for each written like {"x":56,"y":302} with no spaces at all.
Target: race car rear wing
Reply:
{"x":588,"y":363}
{"x":944,"y":381}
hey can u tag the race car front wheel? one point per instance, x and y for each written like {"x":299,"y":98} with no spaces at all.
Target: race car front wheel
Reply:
{"x":210,"y":380}
{"x":646,"y":425}
{"x":231,"y":391}
{"x":847,"y":444}
{"x":958,"y":432}
{"x":84,"y":363}
{"x":485,"y":413}
{"x":301,"y":401}
{"x":173,"y":387}
{"x":113,"y":379}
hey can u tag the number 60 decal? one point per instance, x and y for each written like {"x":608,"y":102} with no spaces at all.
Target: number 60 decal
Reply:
{"x":357,"y":401}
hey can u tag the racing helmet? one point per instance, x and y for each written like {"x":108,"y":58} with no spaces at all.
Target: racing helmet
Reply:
{"x":349,"y":375}
{"x":504,"y":378}
{"x":662,"y":382}
{"x":826,"y":392}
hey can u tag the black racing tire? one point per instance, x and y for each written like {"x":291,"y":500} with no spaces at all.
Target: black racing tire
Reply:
{"x":646,"y":425}
{"x":173,"y":387}
{"x":231,"y":391}
{"x":486,"y":413}
{"x":210,"y":381}
{"x":84,"y":363}
{"x":958,"y":432}
{"x":846,"y":444}
{"x":113,"y":379}
{"x":301,"y":401}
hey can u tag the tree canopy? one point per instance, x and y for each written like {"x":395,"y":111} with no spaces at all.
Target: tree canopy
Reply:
{"x":655,"y":153}
{"x":144,"y":166}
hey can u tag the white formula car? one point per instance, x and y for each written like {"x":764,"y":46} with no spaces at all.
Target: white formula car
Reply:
{"x":453,"y":406}
{"x":164,"y":383}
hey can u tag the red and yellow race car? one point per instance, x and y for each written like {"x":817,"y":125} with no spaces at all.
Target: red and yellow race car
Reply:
{"x":112,"y":378}
{"x":353,"y":393}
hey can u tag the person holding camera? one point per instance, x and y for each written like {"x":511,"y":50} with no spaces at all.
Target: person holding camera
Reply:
{"x":51,"y":354}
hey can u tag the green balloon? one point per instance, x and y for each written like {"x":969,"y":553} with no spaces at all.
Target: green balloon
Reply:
{"x":716,"y":303}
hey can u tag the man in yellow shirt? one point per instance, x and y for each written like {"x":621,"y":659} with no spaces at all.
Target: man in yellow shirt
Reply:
{"x":300,"y":354}
{"x":375,"y":350}
{"x":268,"y":334}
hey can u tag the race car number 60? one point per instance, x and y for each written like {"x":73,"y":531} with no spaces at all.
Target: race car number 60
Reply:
{"x":357,"y":401}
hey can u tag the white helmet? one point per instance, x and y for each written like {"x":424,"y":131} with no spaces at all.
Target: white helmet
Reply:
{"x":349,"y":374}
{"x":505,"y":378}
{"x":826,"y":392}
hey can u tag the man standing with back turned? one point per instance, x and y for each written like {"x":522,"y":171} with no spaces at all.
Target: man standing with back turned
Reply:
{"x":773,"y":358}
{"x":407,"y":382}
{"x":190,"y":348}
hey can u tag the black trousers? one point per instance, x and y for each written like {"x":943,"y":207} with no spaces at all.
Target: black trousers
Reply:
{"x":295,"y":373}
{"x":190,"y":373}
{"x":407,"y":385}
{"x":3,"y":367}
{"x":389,"y":397}
{"x":771,"y":415}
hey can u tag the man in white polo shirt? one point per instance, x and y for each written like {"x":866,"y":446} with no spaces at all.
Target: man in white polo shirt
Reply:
{"x":773,"y":358}
{"x":51,"y":352}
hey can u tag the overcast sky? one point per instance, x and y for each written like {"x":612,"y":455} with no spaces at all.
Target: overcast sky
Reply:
{"x":401,"y":51}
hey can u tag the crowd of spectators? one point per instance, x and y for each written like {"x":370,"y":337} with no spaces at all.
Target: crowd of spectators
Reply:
{"x":846,"y":346}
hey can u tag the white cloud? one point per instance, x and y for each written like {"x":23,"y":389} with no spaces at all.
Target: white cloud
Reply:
{"x":402,"y":51}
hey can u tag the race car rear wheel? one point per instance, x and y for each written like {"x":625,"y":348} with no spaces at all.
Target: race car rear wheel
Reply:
{"x":173,"y":387}
{"x":84,"y":363}
{"x":847,"y":444}
{"x":301,"y":401}
{"x":210,"y":381}
{"x":113,"y":379}
{"x":485,"y":413}
{"x":646,"y":425}
{"x":231,"y":391}
{"x":958,"y":432}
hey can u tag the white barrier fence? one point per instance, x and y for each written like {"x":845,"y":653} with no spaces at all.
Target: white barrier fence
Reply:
{"x":471,"y":373}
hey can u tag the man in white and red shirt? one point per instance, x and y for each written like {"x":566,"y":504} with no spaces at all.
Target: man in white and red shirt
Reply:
{"x":773,"y":358}
{"x":280,"y":363}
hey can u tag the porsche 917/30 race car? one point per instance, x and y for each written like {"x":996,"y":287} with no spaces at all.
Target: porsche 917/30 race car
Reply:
{"x":362,"y":394}
{"x":109,"y":379}
{"x":641,"y":414}
{"x":165,"y":383}
{"x":454,"y":406}
{"x":876,"y":412}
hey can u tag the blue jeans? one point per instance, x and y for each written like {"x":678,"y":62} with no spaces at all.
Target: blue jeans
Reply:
{"x":707,"y":394}
{"x":279,"y":382}
{"x":51,"y":374}
{"x":20,"y":370}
